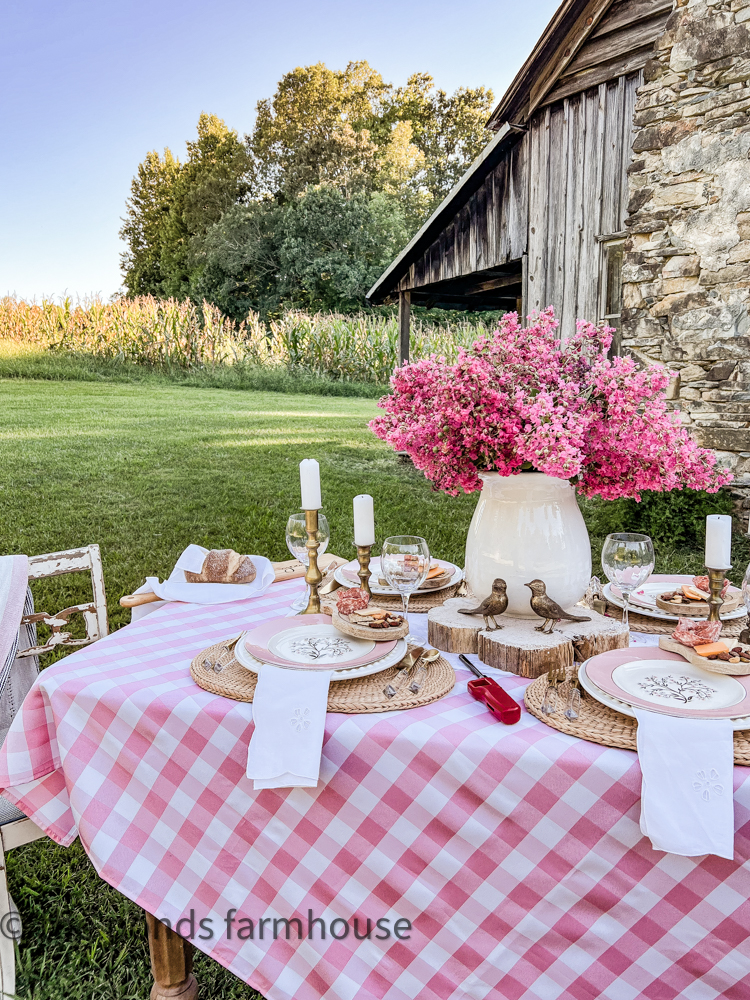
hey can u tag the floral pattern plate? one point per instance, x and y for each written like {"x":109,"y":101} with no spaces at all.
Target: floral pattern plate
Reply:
{"x":311,"y":642}
{"x":390,"y":659}
{"x":738,"y":722}
{"x":665,"y":683}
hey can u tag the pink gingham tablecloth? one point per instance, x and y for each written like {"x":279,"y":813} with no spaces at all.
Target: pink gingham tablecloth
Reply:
{"x":514,"y":852}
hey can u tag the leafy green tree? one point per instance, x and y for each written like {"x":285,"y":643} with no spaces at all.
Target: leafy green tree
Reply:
{"x":342,"y":168}
{"x":402,"y":175}
{"x":172,"y":206}
{"x":332,"y":247}
{"x":316,"y":130}
{"x":238,"y":261}
{"x":326,"y":126}
{"x":320,"y":251}
{"x":145,"y":223}
{"x":213,"y":178}
{"x":448,"y":128}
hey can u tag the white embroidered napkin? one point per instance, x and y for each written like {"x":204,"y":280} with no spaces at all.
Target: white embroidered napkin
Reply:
{"x":687,"y":797}
{"x":176,"y":588}
{"x":289,"y":712}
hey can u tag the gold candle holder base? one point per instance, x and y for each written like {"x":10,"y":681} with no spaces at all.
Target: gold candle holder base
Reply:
{"x":364,"y":574}
{"x":715,"y":584}
{"x":313,"y":576}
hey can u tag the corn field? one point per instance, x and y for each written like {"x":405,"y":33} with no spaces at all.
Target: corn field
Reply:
{"x":167,"y":333}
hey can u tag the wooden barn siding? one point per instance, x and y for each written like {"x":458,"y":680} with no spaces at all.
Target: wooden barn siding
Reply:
{"x":489,"y":230}
{"x":580,"y":151}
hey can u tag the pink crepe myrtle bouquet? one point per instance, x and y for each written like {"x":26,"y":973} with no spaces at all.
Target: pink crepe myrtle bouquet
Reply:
{"x":520,"y":399}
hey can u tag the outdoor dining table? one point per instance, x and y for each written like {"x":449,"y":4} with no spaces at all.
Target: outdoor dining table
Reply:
{"x":501,"y":861}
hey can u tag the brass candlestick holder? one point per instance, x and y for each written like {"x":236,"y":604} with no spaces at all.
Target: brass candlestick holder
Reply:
{"x":364,"y":574}
{"x":715,"y":584}
{"x":313,"y":576}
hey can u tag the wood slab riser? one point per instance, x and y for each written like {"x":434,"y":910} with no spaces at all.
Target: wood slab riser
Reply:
{"x":522,"y":650}
{"x":452,"y":632}
{"x":527,"y":662}
{"x":518,"y":647}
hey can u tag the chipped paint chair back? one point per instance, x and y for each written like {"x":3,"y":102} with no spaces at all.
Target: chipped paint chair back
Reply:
{"x":16,"y":828}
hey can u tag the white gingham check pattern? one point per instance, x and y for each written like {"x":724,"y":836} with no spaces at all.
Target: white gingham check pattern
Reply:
{"x":514,"y":851}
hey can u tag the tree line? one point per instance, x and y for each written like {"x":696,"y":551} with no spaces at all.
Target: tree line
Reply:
{"x":338,"y":173}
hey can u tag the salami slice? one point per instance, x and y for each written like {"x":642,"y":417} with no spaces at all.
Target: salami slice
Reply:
{"x":351,"y":600}
{"x":701,"y":582}
{"x":696,"y":633}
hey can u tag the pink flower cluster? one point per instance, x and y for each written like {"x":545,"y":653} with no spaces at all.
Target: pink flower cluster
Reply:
{"x":521,"y":399}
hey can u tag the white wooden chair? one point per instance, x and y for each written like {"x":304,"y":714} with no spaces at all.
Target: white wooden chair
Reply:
{"x":16,"y":828}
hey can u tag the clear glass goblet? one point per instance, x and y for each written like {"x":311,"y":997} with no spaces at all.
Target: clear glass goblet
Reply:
{"x":628,"y":560}
{"x":405,"y":562}
{"x":296,"y":542}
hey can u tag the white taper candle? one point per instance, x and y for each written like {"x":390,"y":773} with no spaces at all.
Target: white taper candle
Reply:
{"x":364,"y":520}
{"x":309,"y":477}
{"x":718,"y":541}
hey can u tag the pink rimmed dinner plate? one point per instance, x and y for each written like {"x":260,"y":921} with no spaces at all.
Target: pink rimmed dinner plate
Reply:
{"x":656,"y":585}
{"x":311,"y":642}
{"x":663,"y":682}
{"x":347,"y":577}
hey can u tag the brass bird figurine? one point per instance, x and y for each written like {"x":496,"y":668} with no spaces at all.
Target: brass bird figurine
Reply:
{"x":548,"y":609}
{"x":491,"y":606}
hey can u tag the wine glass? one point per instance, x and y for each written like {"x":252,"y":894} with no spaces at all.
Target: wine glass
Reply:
{"x":296,"y":542}
{"x":405,"y":562}
{"x":628,"y":560}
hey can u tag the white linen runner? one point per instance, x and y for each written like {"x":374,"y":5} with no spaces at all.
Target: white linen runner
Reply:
{"x":687,"y":803}
{"x":289,"y":712}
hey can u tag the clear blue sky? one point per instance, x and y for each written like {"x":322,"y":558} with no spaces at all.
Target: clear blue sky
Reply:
{"x":89,"y":86}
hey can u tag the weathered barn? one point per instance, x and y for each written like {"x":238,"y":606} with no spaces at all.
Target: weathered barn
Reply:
{"x":617,"y":186}
{"x":539,"y":218}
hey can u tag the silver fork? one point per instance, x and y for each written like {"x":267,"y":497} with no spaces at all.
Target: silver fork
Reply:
{"x":392,"y":687}
{"x":420,"y":674}
{"x":226,"y":647}
{"x":573,"y":705}
{"x":549,"y":705}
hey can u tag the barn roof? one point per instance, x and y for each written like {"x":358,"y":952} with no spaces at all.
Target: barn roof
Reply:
{"x":571,"y":24}
{"x":458,"y":196}
{"x":579,"y":48}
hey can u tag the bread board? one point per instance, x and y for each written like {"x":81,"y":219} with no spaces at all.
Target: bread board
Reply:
{"x":699,"y":609}
{"x":713,"y":666}
{"x":357,"y":631}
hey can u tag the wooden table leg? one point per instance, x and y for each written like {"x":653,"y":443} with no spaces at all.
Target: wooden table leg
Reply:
{"x":171,"y":963}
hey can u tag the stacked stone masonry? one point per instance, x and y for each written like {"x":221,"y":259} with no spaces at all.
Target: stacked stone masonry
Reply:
{"x":686,"y":269}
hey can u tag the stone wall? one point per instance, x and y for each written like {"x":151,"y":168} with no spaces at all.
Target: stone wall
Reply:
{"x":686,"y":271}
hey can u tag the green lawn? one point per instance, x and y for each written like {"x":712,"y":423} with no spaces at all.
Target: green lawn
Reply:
{"x":144,"y":469}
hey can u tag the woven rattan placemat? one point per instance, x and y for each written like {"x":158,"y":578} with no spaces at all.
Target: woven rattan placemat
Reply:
{"x":642,"y":623}
{"x":599,"y":724}
{"x":355,"y":696}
